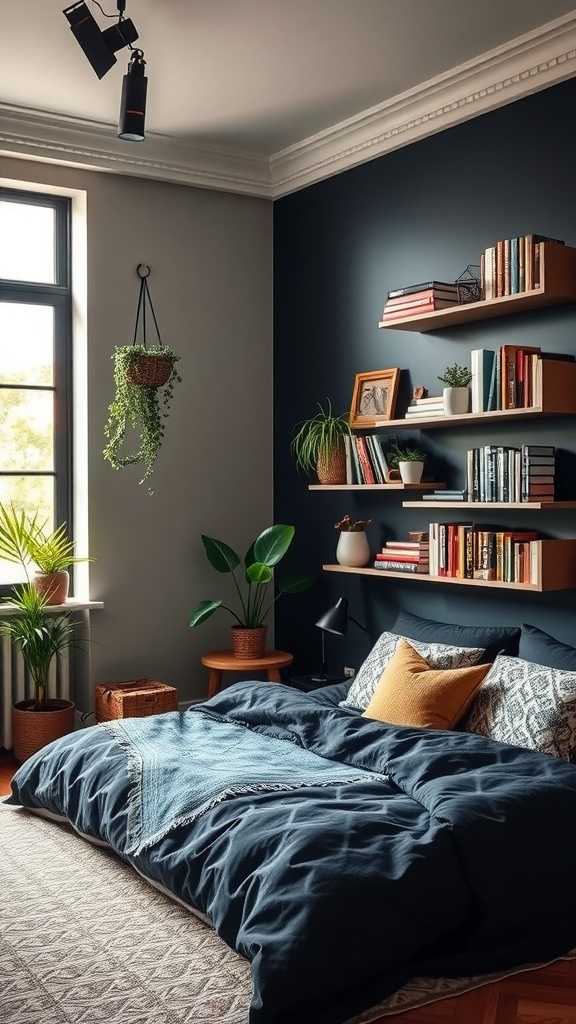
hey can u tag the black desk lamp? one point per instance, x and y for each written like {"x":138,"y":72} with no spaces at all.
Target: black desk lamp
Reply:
{"x":335,"y":621}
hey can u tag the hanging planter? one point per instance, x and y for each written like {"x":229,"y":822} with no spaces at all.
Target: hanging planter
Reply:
{"x":144,"y":379}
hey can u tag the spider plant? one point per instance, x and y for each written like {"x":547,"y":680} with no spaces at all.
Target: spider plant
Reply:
{"x":38,"y":636}
{"x":318,"y":438}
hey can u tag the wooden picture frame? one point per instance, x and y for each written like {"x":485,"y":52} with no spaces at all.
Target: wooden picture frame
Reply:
{"x":374,"y":398}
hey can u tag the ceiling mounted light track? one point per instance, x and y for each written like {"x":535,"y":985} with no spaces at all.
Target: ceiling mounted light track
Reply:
{"x":100,"y":47}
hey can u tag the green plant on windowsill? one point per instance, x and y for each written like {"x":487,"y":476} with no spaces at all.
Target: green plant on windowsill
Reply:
{"x":25,"y":541}
{"x":318,"y":445}
{"x":258,"y":567}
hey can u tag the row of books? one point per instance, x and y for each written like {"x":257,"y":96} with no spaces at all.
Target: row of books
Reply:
{"x":500,"y":473}
{"x":513,"y":265}
{"x":419,"y":298}
{"x":510,"y":377}
{"x":410,"y":556}
{"x":464,"y":551}
{"x":365,"y":460}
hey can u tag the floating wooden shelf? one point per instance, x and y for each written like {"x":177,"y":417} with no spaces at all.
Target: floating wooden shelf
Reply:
{"x":558,"y":286}
{"x":535,"y":506}
{"x":394,"y":485}
{"x":557,"y":398}
{"x":557,"y":571}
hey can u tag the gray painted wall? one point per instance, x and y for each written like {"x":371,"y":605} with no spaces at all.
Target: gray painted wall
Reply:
{"x":212,"y":287}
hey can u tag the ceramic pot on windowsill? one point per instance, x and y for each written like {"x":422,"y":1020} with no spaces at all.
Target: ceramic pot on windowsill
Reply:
{"x":53,"y":586}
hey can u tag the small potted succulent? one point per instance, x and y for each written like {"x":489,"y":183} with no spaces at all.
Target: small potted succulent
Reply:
{"x":249,"y":631}
{"x":318,"y":445}
{"x":353,"y":548}
{"x":27,"y":542}
{"x":456,"y":380}
{"x":409,"y":462}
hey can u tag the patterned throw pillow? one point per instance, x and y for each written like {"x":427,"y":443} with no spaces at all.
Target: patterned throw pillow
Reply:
{"x":437,"y":655}
{"x":527,"y":705}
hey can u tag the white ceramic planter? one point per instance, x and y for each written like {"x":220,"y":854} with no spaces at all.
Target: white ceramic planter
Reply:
{"x":353,"y":548}
{"x":456,"y":401}
{"x":411,"y":472}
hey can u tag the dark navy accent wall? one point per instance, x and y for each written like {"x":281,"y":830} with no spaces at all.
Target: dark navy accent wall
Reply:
{"x":422,"y":212}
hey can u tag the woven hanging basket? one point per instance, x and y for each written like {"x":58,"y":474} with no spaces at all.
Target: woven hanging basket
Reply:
{"x":150,"y":371}
{"x":248,"y":643}
{"x":331,"y":468}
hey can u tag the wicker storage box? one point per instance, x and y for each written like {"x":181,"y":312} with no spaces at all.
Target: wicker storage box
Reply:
{"x":136,"y":698}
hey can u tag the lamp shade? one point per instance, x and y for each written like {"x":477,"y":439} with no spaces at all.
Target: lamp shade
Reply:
{"x":133,"y":104}
{"x":335,"y":619}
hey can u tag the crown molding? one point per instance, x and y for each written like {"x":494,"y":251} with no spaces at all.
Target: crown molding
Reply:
{"x":524,"y":65}
{"x":93,"y":145}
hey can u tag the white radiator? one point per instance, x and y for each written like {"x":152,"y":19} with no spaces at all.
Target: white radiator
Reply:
{"x":15,"y":685}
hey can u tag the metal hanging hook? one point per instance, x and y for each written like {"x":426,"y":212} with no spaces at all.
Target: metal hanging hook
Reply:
{"x":143,"y":271}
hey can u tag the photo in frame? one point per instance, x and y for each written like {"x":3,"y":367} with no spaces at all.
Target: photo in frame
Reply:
{"x":374,"y":398}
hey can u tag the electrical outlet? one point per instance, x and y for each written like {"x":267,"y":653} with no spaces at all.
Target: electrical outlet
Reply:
{"x":349,"y":672}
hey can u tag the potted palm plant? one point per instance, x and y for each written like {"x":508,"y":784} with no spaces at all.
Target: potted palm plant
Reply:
{"x":25,"y":541}
{"x":318,"y":445}
{"x":263,"y":555}
{"x":456,"y":380}
{"x":40,"y":636}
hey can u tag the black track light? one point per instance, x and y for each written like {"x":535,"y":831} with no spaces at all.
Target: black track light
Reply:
{"x":99,"y":46}
{"x":133,"y":104}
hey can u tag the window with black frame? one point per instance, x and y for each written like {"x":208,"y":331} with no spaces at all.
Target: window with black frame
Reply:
{"x":35,"y":358}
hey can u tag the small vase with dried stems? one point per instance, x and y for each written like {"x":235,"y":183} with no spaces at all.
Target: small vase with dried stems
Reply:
{"x":319,"y":445}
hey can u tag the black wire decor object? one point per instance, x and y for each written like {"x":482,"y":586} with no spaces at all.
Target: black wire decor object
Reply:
{"x":152,"y":368}
{"x":468,"y":285}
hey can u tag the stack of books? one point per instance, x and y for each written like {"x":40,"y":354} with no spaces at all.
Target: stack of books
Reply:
{"x":513,"y":265}
{"x":365,"y":460}
{"x":409,"y":556}
{"x":403,"y":303}
{"x":464,"y":551}
{"x":447,"y":495}
{"x":499,"y":473}
{"x":422,"y":408}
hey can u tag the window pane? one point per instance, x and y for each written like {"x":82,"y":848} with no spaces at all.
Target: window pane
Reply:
{"x":33,"y":493}
{"x":26,"y":344}
{"x":26,"y":430}
{"x":27,"y":242}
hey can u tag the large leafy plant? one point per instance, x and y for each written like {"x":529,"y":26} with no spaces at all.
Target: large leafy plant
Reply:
{"x":319,"y":437}
{"x":38,"y":635}
{"x":140,"y":408}
{"x":25,"y":540}
{"x":257,"y":570}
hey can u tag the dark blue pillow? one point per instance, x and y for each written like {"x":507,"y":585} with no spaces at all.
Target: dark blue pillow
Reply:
{"x":494,"y":639}
{"x":543,"y":649}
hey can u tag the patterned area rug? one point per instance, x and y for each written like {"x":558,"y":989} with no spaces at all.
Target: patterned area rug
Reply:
{"x":85,"y":940}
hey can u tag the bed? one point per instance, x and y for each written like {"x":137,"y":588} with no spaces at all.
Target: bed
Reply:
{"x":340,"y":855}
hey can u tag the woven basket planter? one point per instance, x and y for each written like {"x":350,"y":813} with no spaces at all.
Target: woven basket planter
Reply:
{"x":33,"y":729}
{"x":137,"y":698}
{"x":151,"y":371}
{"x":332,"y":469}
{"x":53,"y":586}
{"x":248,"y":643}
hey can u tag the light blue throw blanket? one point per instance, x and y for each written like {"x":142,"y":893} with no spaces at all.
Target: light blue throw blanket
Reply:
{"x":182,"y":764}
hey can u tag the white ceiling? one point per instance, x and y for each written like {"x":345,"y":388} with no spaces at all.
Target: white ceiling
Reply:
{"x":256,"y":74}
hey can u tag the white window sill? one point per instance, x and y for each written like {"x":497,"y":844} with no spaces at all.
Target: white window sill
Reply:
{"x":72,"y":605}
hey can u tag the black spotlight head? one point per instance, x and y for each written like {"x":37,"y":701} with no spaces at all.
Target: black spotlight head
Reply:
{"x":86,"y":30}
{"x":133,"y":104}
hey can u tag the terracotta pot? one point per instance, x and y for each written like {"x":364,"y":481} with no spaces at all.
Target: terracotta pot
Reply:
{"x":353,"y":548}
{"x":53,"y":586}
{"x":456,"y":401}
{"x":150,"y":371}
{"x":331,"y":469}
{"x":248,"y":643}
{"x":411,"y":472}
{"x":33,"y":729}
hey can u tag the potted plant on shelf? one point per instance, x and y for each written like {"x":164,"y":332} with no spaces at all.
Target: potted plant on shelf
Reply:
{"x":263,"y":555}
{"x":318,"y":445}
{"x":409,"y":462}
{"x":456,"y":393}
{"x":25,"y":541}
{"x":40,"y":636}
{"x":353,"y":548}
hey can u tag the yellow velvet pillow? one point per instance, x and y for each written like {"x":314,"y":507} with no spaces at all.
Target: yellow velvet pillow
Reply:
{"x":409,"y":692}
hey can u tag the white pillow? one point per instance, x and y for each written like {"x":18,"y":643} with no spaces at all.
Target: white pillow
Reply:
{"x":437,"y":655}
{"x":527,"y":705}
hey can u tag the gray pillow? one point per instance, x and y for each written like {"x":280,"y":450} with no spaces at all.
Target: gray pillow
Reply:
{"x":437,"y":655}
{"x":527,"y":705}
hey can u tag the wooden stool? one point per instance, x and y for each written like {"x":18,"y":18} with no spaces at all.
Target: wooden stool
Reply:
{"x":224,"y":661}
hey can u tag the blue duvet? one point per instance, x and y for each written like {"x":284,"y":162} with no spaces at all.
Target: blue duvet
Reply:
{"x":340,"y":855}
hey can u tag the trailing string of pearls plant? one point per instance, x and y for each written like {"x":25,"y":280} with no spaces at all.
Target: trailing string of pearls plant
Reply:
{"x":144,"y":381}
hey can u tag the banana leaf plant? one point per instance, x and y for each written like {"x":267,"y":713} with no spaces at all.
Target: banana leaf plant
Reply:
{"x":257,"y":572}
